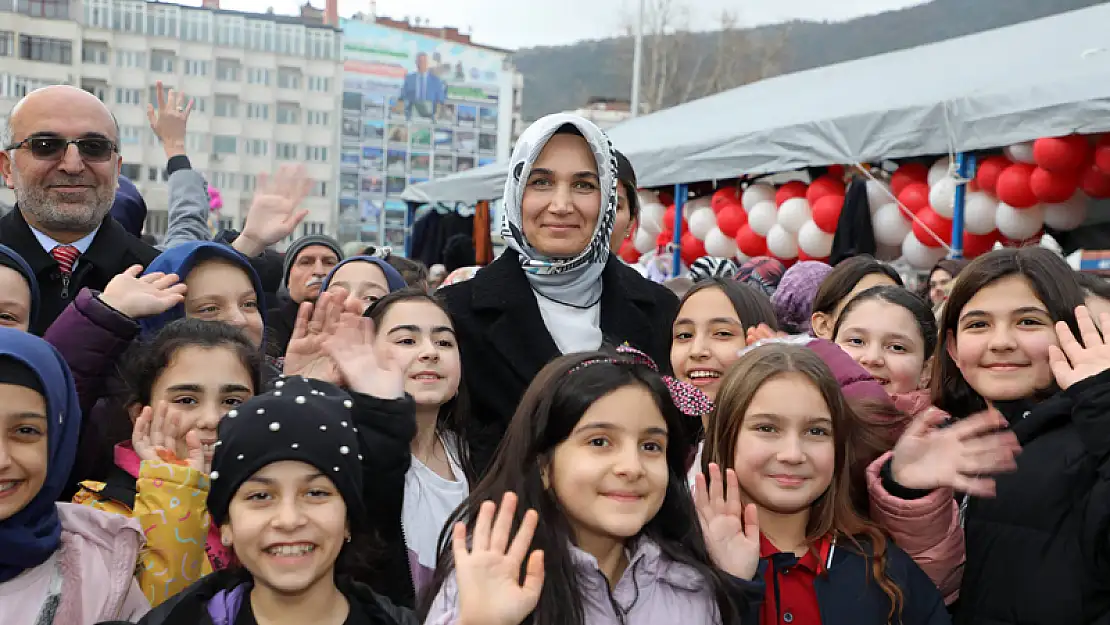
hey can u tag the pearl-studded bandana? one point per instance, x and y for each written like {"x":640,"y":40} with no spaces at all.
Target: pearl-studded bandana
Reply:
{"x":297,"y":419}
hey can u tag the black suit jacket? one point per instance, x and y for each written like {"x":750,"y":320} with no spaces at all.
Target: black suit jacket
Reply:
{"x":112,"y":251}
{"x":504,"y":343}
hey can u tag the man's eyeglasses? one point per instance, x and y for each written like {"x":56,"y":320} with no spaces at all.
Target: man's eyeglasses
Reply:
{"x":47,"y":148}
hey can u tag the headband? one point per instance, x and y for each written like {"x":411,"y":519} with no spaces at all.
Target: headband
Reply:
{"x":686,"y":397}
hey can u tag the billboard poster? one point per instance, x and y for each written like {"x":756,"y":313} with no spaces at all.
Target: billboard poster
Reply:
{"x":414,"y":108}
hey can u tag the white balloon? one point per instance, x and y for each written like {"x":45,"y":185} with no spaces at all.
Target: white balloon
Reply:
{"x":648,"y":196}
{"x":814,"y":241}
{"x":757,"y":193}
{"x":1019,"y":223}
{"x":1067,"y":215}
{"x":1021,"y":153}
{"x":701,"y":221}
{"x":918,"y":255}
{"x":794,"y":213}
{"x":939,"y":170}
{"x":651,"y":217}
{"x":890,"y":225}
{"x":879,"y":194}
{"x":980,"y":208}
{"x":781,"y":243}
{"x":717,"y":244}
{"x":942,"y":197}
{"x":643,"y":241}
{"x":761,"y":217}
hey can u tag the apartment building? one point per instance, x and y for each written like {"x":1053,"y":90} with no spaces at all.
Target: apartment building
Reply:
{"x":268,"y":88}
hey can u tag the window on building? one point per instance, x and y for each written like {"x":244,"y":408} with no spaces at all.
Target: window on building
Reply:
{"x":227,"y":106}
{"x":130,"y":135}
{"x":289,"y":78}
{"x":97,"y":14}
{"x":7,"y":43}
{"x":250,"y":182}
{"x":152,"y":174}
{"x":313,"y":227}
{"x":227,"y":69}
{"x":257,"y":147}
{"x":290,"y":40}
{"x":224,"y":144}
{"x":45,"y":49}
{"x":194,"y":25}
{"x":94,"y":52}
{"x":288,"y":114}
{"x":258,"y":111}
{"x":98,"y":89}
{"x":200,"y":105}
{"x":130,"y":59}
{"x":128,"y":96}
{"x":258,"y":76}
{"x":286,"y":151}
{"x":320,"y":44}
{"x":53,"y":9}
{"x":229,"y":32}
{"x":128,"y":16}
{"x":132,"y":171}
{"x":317,"y":118}
{"x":223,"y":180}
{"x":162,"y":61}
{"x":196,"y":68}
{"x":15,"y":87}
{"x":317,"y":153}
{"x":161,"y":20}
{"x":320,"y":189}
{"x":319,"y":83}
{"x":196,"y":142}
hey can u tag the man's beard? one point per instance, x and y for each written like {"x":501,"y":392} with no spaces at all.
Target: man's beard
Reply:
{"x":49,"y":214}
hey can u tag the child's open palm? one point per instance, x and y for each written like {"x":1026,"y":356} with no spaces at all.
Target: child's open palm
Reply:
{"x":157,"y":437}
{"x":731,"y":529}
{"x":1073,"y":362}
{"x":488,"y":572}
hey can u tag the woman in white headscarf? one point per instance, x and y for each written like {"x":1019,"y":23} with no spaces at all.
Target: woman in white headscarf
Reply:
{"x":556,"y":289}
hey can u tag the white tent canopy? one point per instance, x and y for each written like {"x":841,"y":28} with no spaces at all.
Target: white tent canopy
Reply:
{"x":1047,"y":77}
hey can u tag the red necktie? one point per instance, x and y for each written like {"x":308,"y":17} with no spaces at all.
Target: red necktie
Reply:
{"x":66,"y":255}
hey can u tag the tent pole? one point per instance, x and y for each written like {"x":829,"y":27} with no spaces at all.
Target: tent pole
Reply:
{"x":965,"y":169}
{"x":679,"y":205}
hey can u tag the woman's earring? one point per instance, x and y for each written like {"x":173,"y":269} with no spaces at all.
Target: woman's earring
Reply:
{"x":347,"y":538}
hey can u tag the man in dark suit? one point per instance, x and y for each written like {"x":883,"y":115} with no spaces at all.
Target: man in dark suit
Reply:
{"x":424,"y":90}
{"x":61,"y":156}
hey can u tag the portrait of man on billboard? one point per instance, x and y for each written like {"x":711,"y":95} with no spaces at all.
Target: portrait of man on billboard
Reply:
{"x":423,"y":92}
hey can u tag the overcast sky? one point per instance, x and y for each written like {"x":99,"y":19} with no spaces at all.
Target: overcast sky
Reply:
{"x":526,"y":23}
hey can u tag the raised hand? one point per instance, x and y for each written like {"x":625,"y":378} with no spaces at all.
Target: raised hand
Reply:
{"x":273,"y":214}
{"x":762,"y":332}
{"x":731,"y":529}
{"x":488,"y":573}
{"x":157,"y":438}
{"x":170,"y":119}
{"x":961,"y":456}
{"x":1072,"y":362}
{"x":305,"y":355}
{"x":143,"y":296}
{"x":351,"y":348}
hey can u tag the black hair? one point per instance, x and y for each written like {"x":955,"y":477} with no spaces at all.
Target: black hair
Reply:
{"x":414,"y":272}
{"x":913,"y":303}
{"x":1093,"y":285}
{"x":626,"y":174}
{"x":951,"y":266}
{"x":752,"y":306}
{"x":146,"y":360}
{"x":551,"y":407}
{"x":569,"y":129}
{"x":1049,"y":277}
{"x":458,"y":252}
{"x":454,"y":416}
{"x":845,"y":276}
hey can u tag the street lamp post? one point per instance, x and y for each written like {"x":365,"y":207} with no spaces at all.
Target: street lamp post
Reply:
{"x":637,"y":60}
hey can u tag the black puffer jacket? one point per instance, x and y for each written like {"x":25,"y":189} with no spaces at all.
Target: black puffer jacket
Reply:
{"x":1039,"y":552}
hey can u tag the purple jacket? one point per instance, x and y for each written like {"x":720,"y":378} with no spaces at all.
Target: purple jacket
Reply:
{"x":92,"y":336}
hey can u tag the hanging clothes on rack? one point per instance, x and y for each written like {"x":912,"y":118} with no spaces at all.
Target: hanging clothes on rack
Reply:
{"x":431,"y":232}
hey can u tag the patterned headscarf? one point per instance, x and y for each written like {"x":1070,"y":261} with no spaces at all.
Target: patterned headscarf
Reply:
{"x":574,"y":281}
{"x":762,"y":272}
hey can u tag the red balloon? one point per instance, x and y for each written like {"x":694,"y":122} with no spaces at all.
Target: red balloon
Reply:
{"x":802,"y":256}
{"x":979,"y":244}
{"x":727,"y":196}
{"x":826,"y":212}
{"x":1068,"y":153}
{"x":908,"y":174}
{"x":750,"y":243}
{"x":666,"y":198}
{"x":836,"y":171}
{"x":1054,"y":187}
{"x":1102,"y":154}
{"x":915,"y":197}
{"x":668,"y":217}
{"x":929,"y":225}
{"x":663,"y":238}
{"x":789,"y":191}
{"x":731,"y":219}
{"x":825,"y":185}
{"x":628,"y":252}
{"x":1095,"y":182}
{"x":692,"y":248}
{"x":989,"y":171}
{"x":1014,"y":186}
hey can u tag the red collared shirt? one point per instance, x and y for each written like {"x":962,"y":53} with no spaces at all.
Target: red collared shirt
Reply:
{"x":796,"y":593}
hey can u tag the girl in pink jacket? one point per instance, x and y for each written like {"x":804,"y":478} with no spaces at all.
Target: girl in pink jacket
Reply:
{"x":59,"y":563}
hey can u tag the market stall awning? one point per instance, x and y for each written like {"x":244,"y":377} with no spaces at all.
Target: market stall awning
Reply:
{"x":1046,"y":77}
